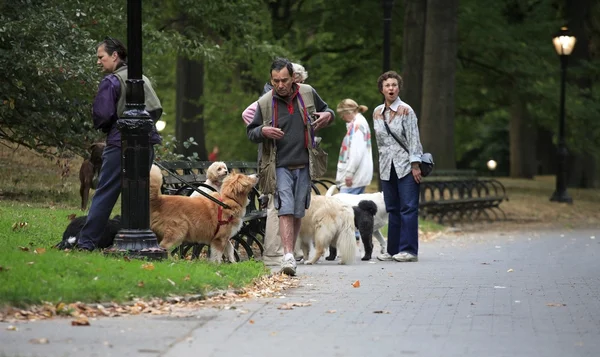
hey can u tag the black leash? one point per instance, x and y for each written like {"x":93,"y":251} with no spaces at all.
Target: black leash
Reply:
{"x":192,"y":186}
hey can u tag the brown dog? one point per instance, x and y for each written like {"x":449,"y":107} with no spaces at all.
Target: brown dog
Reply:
{"x":176,"y":219}
{"x":89,"y":171}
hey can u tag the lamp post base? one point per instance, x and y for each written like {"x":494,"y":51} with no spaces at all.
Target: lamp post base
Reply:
{"x":137,"y":243}
{"x":562,"y":196}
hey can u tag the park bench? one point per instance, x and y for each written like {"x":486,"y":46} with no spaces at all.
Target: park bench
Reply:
{"x":248,"y":241}
{"x":458,"y":194}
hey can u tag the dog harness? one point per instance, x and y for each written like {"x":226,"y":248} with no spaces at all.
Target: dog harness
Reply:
{"x":220,"y":221}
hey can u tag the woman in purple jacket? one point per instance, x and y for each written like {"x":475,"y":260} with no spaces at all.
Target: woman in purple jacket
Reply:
{"x":108,"y":106}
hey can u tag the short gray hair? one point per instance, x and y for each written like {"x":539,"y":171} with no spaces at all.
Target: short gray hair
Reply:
{"x":299,"y":71}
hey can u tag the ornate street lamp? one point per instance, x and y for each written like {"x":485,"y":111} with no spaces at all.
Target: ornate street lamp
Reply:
{"x":135,"y":239}
{"x":563,"y":42}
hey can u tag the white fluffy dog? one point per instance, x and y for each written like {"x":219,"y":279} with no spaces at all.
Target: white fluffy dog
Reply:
{"x":328,"y":222}
{"x":381,"y":218}
{"x":215,"y":174}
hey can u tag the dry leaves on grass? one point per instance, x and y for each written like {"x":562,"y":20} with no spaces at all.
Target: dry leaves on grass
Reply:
{"x":264,"y":287}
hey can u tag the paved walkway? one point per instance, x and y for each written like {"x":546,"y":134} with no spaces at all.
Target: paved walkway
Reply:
{"x":527,"y":294}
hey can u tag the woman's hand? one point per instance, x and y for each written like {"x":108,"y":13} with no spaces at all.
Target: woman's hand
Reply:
{"x":348,"y":181}
{"x":416,"y":171}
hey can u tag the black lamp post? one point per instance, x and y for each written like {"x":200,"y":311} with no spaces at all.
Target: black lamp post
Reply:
{"x":135,"y":238}
{"x":387,"y":53}
{"x":387,"y":25}
{"x":564,"y":42}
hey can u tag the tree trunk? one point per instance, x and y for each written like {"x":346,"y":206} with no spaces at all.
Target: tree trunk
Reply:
{"x":522,"y":140}
{"x":437,"y":106}
{"x":582,"y":170}
{"x":189,"y":122}
{"x":413,"y":45}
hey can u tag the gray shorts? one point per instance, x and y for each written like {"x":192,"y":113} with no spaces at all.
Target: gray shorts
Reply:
{"x":293,"y":191}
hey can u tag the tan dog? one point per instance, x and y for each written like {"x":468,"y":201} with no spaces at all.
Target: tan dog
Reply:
{"x":176,"y":219}
{"x":328,"y":222}
{"x":215,"y":174}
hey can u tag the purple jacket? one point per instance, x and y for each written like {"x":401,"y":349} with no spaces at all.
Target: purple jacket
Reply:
{"x":105,"y":114}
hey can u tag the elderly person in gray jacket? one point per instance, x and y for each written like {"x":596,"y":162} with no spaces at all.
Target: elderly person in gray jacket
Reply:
{"x":280,"y":124}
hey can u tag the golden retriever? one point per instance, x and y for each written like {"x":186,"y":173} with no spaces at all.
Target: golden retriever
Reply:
{"x":328,"y":222}
{"x":215,"y":174}
{"x":176,"y":219}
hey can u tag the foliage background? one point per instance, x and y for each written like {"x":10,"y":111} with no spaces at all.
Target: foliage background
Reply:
{"x":505,"y":55}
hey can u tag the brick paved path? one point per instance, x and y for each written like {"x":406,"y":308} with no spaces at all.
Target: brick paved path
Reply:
{"x":525,"y":294}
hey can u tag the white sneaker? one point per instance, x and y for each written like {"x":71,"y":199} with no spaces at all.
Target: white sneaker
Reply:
{"x":288,"y":265}
{"x":385,"y":257}
{"x":405,"y":257}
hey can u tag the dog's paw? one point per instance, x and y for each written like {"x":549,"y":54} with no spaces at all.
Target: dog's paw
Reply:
{"x":366,"y":257}
{"x":331,"y":257}
{"x":306,"y":262}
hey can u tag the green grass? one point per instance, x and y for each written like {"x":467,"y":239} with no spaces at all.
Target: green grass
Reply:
{"x":31,"y":271}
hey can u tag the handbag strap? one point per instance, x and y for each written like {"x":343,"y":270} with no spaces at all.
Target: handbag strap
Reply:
{"x":387,"y":128}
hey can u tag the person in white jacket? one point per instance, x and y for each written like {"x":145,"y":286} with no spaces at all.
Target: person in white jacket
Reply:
{"x":355,"y":163}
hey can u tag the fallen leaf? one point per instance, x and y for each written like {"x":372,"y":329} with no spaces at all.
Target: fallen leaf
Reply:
{"x":555,"y":304}
{"x":251,"y":321}
{"x":11,"y":328}
{"x":140,"y":284}
{"x":381,"y":312}
{"x":356,"y":284}
{"x":509,"y":271}
{"x":187,"y":277}
{"x":30,"y":263}
{"x":291,"y":305}
{"x":82,"y":321}
{"x":126,"y":258}
{"x":39,"y":250}
{"x":171,"y":281}
{"x":39,"y":341}
{"x":71,"y":216}
{"x":25,"y":249}
{"x":148,"y":266}
{"x":331,"y":311}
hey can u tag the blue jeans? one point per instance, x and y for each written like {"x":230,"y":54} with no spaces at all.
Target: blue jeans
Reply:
{"x":401,"y":196}
{"x":353,"y":190}
{"x":105,"y":197}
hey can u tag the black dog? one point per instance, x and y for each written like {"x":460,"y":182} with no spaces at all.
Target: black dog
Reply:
{"x":71,"y":234}
{"x":89,"y":171}
{"x":363,"y":221}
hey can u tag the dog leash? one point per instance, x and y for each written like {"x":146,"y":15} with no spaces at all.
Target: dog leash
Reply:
{"x":224,"y":205}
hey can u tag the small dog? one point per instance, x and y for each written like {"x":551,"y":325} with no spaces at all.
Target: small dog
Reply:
{"x":89,"y":171}
{"x":215,"y":174}
{"x":328,"y":222}
{"x":178,"y":219}
{"x":71,"y":234}
{"x":363,"y":221}
{"x":381,"y":218}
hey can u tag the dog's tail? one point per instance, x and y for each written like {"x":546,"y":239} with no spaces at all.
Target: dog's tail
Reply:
{"x":331,"y":190}
{"x":346,"y":245}
{"x":156,"y":180}
{"x":369,"y":206}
